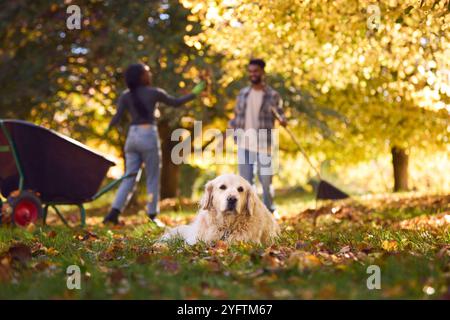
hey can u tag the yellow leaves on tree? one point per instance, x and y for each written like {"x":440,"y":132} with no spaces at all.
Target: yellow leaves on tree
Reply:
{"x":378,"y":63}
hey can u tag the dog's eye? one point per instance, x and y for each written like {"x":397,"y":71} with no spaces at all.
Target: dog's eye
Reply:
{"x":223,"y":187}
{"x":240,"y":189}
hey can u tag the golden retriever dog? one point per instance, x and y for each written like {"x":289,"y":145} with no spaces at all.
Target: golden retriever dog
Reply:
{"x":230,"y":210}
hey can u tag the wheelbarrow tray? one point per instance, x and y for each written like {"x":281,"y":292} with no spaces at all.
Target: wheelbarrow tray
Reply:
{"x":58,"y":168}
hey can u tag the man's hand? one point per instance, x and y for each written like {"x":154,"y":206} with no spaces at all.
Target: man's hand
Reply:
{"x":105,"y":134}
{"x":281,"y":119}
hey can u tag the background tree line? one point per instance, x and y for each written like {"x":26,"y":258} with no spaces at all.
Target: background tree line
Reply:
{"x":352,"y":91}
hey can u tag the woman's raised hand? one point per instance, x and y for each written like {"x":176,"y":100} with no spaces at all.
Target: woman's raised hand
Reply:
{"x":199,"y":88}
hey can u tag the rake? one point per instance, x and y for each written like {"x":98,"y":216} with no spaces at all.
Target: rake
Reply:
{"x":325,"y":190}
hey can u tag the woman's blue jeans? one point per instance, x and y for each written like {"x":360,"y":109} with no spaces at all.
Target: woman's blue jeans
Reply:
{"x":142,"y":147}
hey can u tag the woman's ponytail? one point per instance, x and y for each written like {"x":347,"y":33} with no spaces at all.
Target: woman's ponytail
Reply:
{"x":133,"y":76}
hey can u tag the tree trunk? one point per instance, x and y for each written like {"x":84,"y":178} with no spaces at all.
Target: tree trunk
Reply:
{"x":170,"y":173}
{"x":400,"y":165}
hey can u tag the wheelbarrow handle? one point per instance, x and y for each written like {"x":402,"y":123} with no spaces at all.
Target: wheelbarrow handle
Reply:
{"x":112,"y":184}
{"x":294,"y":138}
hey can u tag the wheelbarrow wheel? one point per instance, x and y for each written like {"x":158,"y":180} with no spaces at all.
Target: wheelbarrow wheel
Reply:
{"x":26,"y":208}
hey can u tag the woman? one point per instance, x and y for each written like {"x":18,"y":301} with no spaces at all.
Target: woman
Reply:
{"x":142,"y":144}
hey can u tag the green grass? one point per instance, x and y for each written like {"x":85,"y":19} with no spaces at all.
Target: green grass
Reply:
{"x":325,"y":261}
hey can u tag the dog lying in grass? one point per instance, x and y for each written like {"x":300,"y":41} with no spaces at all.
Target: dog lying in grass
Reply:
{"x":230,"y":210}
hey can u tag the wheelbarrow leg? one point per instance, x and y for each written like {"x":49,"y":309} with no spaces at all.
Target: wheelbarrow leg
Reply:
{"x":83,"y":215}
{"x":44,"y":215}
{"x":60,"y":216}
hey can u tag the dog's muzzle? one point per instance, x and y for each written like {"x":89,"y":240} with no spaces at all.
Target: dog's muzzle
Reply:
{"x":231,"y":203}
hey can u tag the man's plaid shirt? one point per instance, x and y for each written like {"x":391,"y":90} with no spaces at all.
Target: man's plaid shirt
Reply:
{"x":266,"y":119}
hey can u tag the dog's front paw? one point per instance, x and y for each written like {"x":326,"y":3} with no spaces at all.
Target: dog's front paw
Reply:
{"x":191,"y":241}
{"x":166,"y":236}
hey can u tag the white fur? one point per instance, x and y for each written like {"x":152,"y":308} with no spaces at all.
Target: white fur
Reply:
{"x":249,"y":222}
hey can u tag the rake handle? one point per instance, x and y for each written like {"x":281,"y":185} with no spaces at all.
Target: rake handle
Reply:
{"x":294,"y":138}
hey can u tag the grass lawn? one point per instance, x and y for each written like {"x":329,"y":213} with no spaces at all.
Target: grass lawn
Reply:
{"x":407,"y":236}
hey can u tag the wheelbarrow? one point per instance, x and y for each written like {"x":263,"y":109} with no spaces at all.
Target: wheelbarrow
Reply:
{"x":42,"y":169}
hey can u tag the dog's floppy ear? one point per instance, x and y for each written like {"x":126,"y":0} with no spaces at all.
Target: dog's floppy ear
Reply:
{"x":250,"y":205}
{"x":206,"y":201}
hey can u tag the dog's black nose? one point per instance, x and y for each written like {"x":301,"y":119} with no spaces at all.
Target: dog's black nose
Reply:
{"x":231,"y":202}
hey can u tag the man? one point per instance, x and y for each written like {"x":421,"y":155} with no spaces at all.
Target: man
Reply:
{"x":253,"y":122}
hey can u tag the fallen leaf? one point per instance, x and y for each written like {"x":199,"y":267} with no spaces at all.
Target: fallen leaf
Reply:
{"x":271,"y":261}
{"x":31,"y":227}
{"x":106,"y":255}
{"x":221,"y":245}
{"x":345,"y":249}
{"x":51,"y":234}
{"x":159,"y":247}
{"x":20,"y":252}
{"x":52,"y":251}
{"x":41,"y":266}
{"x":86,"y":236}
{"x":303,"y":260}
{"x":389,"y":245}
